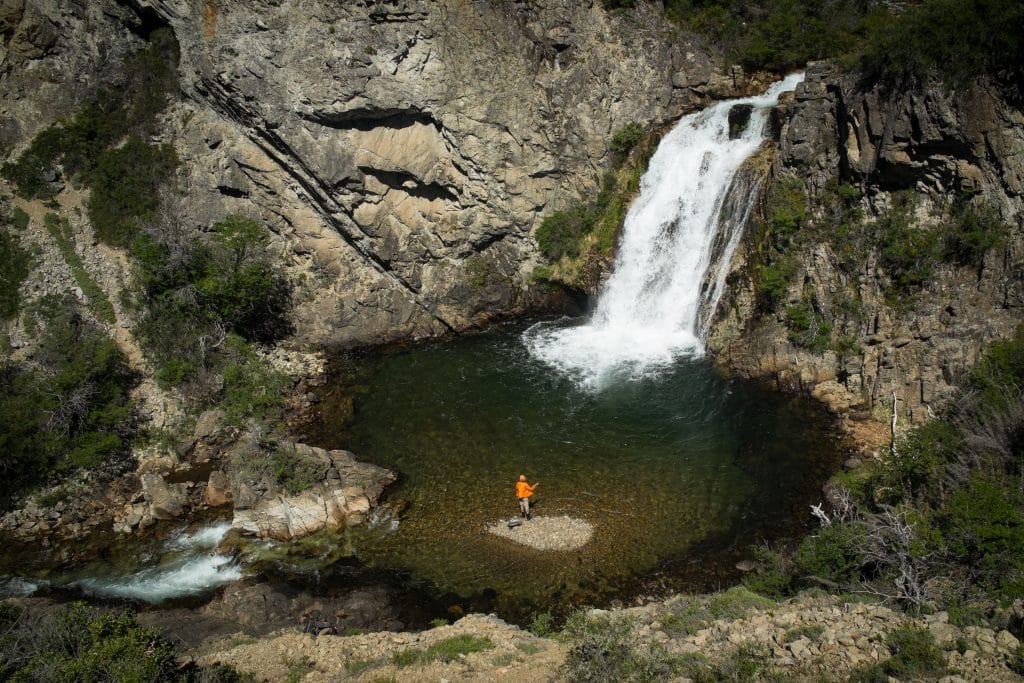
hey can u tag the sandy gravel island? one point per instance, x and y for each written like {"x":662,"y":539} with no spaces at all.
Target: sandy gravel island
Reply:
{"x":547,"y":533}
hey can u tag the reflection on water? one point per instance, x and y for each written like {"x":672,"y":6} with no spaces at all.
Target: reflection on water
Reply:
{"x":657,"y":466}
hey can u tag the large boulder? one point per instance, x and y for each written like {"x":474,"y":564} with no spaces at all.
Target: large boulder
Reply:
{"x":344,"y":495}
{"x":166,"y":501}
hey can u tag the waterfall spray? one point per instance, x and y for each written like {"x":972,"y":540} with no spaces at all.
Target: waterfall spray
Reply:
{"x":658,"y":300}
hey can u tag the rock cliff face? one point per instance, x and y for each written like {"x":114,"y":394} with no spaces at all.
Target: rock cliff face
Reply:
{"x":402,"y":151}
{"x":936,"y":144}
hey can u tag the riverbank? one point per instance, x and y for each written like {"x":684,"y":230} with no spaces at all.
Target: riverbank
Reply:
{"x":810,"y":637}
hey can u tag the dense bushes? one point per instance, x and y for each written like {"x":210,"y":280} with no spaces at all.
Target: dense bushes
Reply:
{"x":82,"y":643}
{"x":940,"y":521}
{"x":778,"y":35}
{"x":15,"y":263}
{"x":624,"y":140}
{"x":959,"y":40}
{"x":562,"y":233}
{"x":69,"y":408}
{"x":784,"y":215}
{"x":126,"y":183}
{"x":203,"y":303}
{"x":594,"y":225}
{"x":907,"y":248}
{"x":102,"y":146}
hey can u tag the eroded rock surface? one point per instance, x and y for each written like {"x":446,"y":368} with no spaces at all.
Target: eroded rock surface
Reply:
{"x":937,"y":144}
{"x":343,"y":495}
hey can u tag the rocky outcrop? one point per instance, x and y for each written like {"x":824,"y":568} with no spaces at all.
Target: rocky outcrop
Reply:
{"x":402,"y":151}
{"x":936,"y":144}
{"x":806,"y":638}
{"x":344,"y":495}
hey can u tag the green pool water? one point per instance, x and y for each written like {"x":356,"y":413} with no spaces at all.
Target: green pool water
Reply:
{"x":677,"y":473}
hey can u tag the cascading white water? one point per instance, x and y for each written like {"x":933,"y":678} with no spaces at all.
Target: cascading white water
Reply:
{"x":190,"y":567}
{"x":649,"y":312}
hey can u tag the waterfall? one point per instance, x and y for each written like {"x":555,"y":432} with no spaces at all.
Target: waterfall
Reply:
{"x":657,"y":303}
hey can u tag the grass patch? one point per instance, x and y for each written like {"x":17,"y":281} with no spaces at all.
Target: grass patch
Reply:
{"x":528,"y":648}
{"x":354,"y":667}
{"x":445,"y":650}
{"x":736,"y":602}
{"x":60,"y":231}
{"x":812,"y":632}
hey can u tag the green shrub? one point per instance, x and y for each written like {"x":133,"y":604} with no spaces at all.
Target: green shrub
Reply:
{"x":281,"y":465}
{"x":71,"y":409}
{"x":773,"y":280}
{"x":908,"y":252}
{"x":778,"y":35}
{"x":736,"y":602}
{"x":1015,"y":661}
{"x":914,"y":654}
{"x":959,"y":40}
{"x":79,"y":144}
{"x":82,"y":643}
{"x":808,"y":328}
{"x":561,"y":233}
{"x":18,"y":219}
{"x":971,"y":232}
{"x":126,"y":182}
{"x":919,"y":461}
{"x":624,"y":140}
{"x":984,"y":525}
{"x":202,"y":304}
{"x":772,"y":575}
{"x":604,"y":649}
{"x":543,"y":624}
{"x":15,"y":265}
{"x":999,"y":378}
{"x":832,"y":554}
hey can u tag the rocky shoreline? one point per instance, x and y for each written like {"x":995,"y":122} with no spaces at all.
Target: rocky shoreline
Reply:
{"x":805,"y":638}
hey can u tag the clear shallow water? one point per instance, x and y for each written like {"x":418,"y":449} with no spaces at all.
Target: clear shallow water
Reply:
{"x":659,"y":466}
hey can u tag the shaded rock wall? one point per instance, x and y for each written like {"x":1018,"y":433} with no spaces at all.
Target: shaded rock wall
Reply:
{"x":936,"y":144}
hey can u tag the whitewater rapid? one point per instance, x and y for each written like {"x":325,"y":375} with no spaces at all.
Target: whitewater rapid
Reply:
{"x":187,"y":565}
{"x":649,"y":311}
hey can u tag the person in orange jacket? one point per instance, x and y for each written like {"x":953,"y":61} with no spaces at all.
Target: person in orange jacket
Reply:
{"x":523,"y":493}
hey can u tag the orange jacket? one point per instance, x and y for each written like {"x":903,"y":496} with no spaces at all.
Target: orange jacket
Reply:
{"x":524,"y":490}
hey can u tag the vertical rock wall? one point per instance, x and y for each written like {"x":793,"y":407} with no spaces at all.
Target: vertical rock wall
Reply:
{"x":937,"y":144}
{"x":403,"y":151}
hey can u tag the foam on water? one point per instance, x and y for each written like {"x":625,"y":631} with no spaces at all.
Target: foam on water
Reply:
{"x":648,"y":313}
{"x":190,"y":568}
